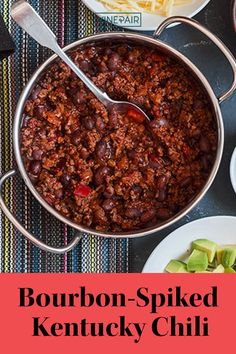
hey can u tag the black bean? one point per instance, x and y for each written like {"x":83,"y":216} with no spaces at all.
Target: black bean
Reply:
{"x":154,"y":163}
{"x":101,"y":149}
{"x":136,"y":157}
{"x":107,"y":51}
{"x":35,"y":167}
{"x":100,"y":175}
{"x":140,"y":159}
{"x":132,"y":213}
{"x":161,"y":182}
{"x":163,"y":82}
{"x":122,"y":50}
{"x":205,"y":163}
{"x":37,"y":155}
{"x":76,"y":137}
{"x":25,"y":121}
{"x":61,"y":163}
{"x":185,"y":182}
{"x":152,"y":222}
{"x":100,"y":125}
{"x":65,"y":179}
{"x":196,"y":133}
{"x":148,"y":215}
{"x":35,"y":93}
{"x":39,"y":110}
{"x":79,"y":97}
{"x":204,"y":144}
{"x":149,"y":194}
{"x":110,"y":150}
{"x":174,"y":208}
{"x":88,"y":123}
{"x":161,"y":195}
{"x":34,"y":179}
{"x":131,"y":57}
{"x":131,"y":154}
{"x":59,"y":193}
{"x":137,"y":189}
{"x":84,"y":153}
{"x":163,"y":213}
{"x":88,"y":67}
{"x":158,"y":123}
{"x":161,"y":185}
{"x":73,"y":75}
{"x":42,"y":132}
{"x":109,"y":192}
{"x":113,"y":61}
{"x":176,"y":108}
{"x":112,"y":74}
{"x":102,"y":67}
{"x":84,"y":65}
{"x":210,"y":158}
{"x":108,"y":204}
{"x":198,"y":103}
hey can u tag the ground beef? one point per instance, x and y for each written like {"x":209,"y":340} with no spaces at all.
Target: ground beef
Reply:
{"x":110,"y":171}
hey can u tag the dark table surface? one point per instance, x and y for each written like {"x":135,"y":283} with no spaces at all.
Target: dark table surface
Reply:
{"x":220,"y":199}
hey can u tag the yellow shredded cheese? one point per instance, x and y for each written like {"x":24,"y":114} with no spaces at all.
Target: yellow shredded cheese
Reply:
{"x":159,"y":7}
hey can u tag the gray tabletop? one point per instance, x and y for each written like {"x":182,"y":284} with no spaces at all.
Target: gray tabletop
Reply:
{"x":220,"y":199}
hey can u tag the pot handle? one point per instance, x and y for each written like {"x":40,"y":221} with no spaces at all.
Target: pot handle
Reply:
{"x":215,"y":40}
{"x":27,"y":234}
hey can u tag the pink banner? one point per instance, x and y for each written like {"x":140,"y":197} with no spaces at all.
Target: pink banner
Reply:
{"x":107,"y":313}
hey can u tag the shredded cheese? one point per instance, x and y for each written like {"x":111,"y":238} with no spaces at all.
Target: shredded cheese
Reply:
{"x":159,"y":7}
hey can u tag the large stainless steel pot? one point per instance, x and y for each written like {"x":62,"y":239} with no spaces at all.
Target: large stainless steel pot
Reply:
{"x":134,"y":38}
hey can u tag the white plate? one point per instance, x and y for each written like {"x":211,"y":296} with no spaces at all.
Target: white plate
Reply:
{"x":221,"y":229}
{"x":151,"y":22}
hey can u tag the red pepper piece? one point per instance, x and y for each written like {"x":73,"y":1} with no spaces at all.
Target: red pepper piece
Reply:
{"x":81,"y":190}
{"x":187,"y":151}
{"x":154,"y":158}
{"x":154,"y":162}
{"x":135,"y":115}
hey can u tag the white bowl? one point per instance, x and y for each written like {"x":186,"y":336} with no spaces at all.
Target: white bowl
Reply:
{"x":150,"y":22}
{"x":233,"y":170}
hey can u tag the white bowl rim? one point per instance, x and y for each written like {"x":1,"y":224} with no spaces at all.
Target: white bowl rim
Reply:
{"x":153,"y":28}
{"x":233,"y":169}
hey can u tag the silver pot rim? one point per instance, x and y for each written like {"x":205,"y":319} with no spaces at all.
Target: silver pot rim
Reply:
{"x":160,"y":45}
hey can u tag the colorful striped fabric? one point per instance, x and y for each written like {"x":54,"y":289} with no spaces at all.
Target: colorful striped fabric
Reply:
{"x":70,"y":20}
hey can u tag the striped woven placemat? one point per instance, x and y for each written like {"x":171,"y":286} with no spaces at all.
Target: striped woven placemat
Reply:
{"x":70,"y":20}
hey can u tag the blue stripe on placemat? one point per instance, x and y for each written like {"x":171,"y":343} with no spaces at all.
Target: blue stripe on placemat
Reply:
{"x":69,"y":20}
